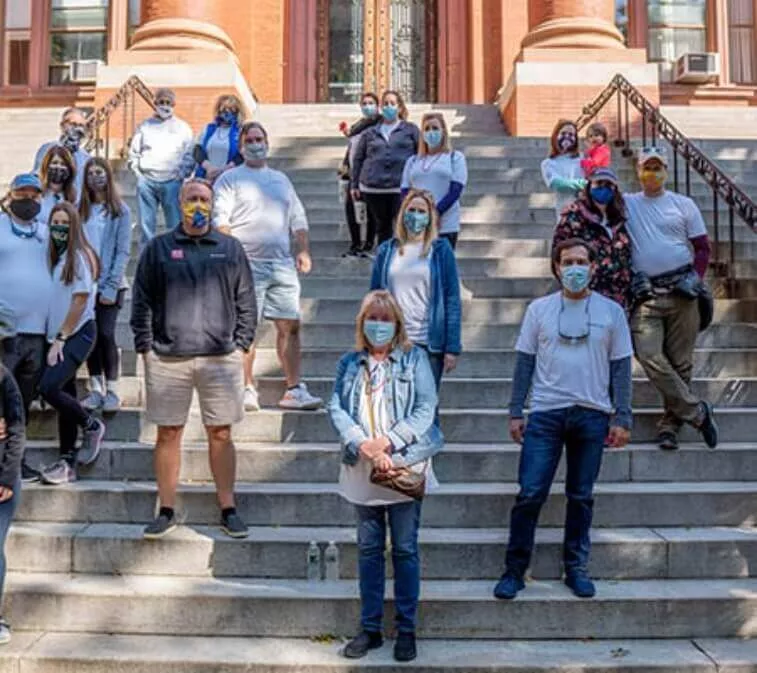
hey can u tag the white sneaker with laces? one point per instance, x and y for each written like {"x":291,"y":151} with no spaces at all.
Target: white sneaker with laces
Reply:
{"x":251,"y":401}
{"x":300,"y":398}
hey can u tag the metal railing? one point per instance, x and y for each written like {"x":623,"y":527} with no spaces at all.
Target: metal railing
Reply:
{"x":99,"y":122}
{"x":655,"y":125}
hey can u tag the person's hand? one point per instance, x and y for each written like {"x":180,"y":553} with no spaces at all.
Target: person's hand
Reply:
{"x":106,"y":302}
{"x":618,"y":437}
{"x":5,"y":493}
{"x":55,"y":354}
{"x":3,"y":430}
{"x":355,"y":194}
{"x":517,"y":427}
{"x":304,"y":262}
{"x":450,"y":362}
{"x":212,"y":173}
{"x":225,"y":229}
{"x":370,"y":449}
{"x":383,"y":463}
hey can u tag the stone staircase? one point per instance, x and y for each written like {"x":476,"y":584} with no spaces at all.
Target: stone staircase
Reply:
{"x":675,"y":543}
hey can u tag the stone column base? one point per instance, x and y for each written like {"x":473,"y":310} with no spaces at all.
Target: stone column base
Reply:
{"x":550,"y":84}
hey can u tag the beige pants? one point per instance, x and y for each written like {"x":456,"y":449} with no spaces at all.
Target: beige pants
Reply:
{"x":664,"y":333}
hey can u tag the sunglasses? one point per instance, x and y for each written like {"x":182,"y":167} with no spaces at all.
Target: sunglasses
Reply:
{"x":574,"y":336}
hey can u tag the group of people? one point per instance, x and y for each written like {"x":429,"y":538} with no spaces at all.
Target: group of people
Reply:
{"x":630,"y":271}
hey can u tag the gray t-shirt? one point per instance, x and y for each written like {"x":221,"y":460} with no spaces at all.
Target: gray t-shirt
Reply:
{"x":574,"y":373}
{"x":61,"y":295}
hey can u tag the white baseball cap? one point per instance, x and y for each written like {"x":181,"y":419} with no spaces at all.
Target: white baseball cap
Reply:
{"x":648,"y":153}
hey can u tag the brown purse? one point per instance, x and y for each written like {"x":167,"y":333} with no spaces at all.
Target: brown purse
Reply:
{"x":401,"y":479}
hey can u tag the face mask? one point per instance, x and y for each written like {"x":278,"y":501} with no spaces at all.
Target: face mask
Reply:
{"x":378,"y":332}
{"x":566,"y":141}
{"x":197,"y":213}
{"x":164,"y":111}
{"x":25,"y":209}
{"x":255,"y":151}
{"x":59,"y":238}
{"x":227,"y":118}
{"x":653,"y":180}
{"x":369,"y":110}
{"x":576,"y":278}
{"x":602,"y":195}
{"x":415,"y":222}
{"x":97,"y":181}
{"x":73,"y":136}
{"x":57,"y":174}
{"x":433,"y":137}
{"x":390,"y":112}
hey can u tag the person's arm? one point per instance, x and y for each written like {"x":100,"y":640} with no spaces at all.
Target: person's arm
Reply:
{"x":351,"y":434}
{"x":564,"y":228}
{"x":450,"y":198}
{"x":559,"y":183}
{"x":245,"y":301}
{"x":701,"y":246}
{"x":358,"y":159}
{"x":15,"y":430}
{"x":298,"y":225}
{"x":620,"y":387}
{"x":526,"y":348}
{"x":83,"y":287}
{"x":199,"y":155}
{"x":377,"y":282}
{"x":113,"y":277}
{"x":143,"y":291}
{"x":187,"y":162}
{"x":525,"y":364}
{"x":223,"y":202}
{"x":135,"y":152}
{"x":457,"y":184}
{"x":405,"y":183}
{"x":452,"y":305}
{"x":602,"y":156}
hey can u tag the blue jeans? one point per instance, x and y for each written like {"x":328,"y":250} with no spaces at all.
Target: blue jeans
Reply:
{"x":7,"y":511}
{"x":150,"y":195}
{"x":582,"y":431}
{"x":404,"y":521}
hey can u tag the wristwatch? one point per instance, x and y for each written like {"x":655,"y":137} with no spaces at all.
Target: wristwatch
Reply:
{"x":61,"y":337}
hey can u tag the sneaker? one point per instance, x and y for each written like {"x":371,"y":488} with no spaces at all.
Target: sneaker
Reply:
{"x":159,"y":528}
{"x":5,"y":632}
{"x":509,"y":585}
{"x":234,"y":527}
{"x":111,"y":403}
{"x":580,"y":584}
{"x":28,"y":474}
{"x":667,"y":441}
{"x":359,"y":646}
{"x":404,"y":647}
{"x":251,"y":401}
{"x":60,"y":472}
{"x":299,"y":398}
{"x":91,"y":444}
{"x":93,"y":401}
{"x":707,"y":426}
{"x":352,"y":252}
{"x":37,"y":404}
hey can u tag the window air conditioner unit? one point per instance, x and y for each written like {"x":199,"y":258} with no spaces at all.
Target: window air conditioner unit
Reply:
{"x":83,"y":71}
{"x":697,"y":68}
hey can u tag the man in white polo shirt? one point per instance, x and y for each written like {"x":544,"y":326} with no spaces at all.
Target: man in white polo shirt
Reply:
{"x":670,"y":253}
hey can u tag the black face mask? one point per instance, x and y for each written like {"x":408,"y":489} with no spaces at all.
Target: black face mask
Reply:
{"x":25,"y":209}
{"x":57,"y":175}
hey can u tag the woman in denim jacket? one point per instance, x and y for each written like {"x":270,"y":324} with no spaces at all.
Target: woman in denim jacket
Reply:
{"x":420,"y":270}
{"x":383,"y":408}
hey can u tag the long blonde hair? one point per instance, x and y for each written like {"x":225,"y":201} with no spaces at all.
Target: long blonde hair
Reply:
{"x":432,"y":231}
{"x":446,"y":145}
{"x":383,"y":299}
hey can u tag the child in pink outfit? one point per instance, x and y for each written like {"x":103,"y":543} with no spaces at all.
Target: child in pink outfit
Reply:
{"x":597,"y":154}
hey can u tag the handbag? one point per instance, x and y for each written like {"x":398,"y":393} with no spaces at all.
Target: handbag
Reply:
{"x":401,"y":479}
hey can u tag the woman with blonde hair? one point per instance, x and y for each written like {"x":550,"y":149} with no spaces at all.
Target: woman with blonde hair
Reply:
{"x":420,"y":271}
{"x":58,"y":177}
{"x":217,"y":146}
{"x":440,"y":170}
{"x":561,"y":170}
{"x":383,"y":407}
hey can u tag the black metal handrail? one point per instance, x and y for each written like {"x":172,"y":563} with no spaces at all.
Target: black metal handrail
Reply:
{"x":739,"y":203}
{"x":98,"y":123}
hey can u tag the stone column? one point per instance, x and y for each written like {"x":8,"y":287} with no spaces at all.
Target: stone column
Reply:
{"x":578,"y":24}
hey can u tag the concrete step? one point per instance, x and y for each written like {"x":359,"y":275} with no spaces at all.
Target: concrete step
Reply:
{"x":457,"y":609}
{"x":281,"y":552}
{"x":454,"y":505}
{"x":469,"y":463}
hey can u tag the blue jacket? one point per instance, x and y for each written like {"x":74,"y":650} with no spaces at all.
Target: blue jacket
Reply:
{"x":114,"y":254}
{"x":445,"y":310}
{"x":412,"y":406}
{"x":379,"y":163}
{"x":200,"y":156}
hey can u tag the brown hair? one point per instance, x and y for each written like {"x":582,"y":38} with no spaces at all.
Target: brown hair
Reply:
{"x":403,"y":113}
{"x":252,"y":125}
{"x":432,"y":232}
{"x":77,"y":243}
{"x":422,"y":145}
{"x":554,"y":149}
{"x":69,"y":188}
{"x":568,"y":243}
{"x":113,"y":202}
{"x":233,"y":100}
{"x":384,"y":299}
{"x":597,"y":129}
{"x":373,"y":96}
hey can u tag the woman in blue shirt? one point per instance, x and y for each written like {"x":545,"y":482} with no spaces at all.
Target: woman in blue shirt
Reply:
{"x":217,"y":147}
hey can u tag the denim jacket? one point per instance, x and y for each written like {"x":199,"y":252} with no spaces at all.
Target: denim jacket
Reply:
{"x":412,"y":406}
{"x":445,"y":310}
{"x":114,"y":254}
{"x":378,"y":162}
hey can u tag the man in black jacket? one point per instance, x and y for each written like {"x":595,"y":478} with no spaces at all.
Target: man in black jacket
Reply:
{"x":193,"y":315}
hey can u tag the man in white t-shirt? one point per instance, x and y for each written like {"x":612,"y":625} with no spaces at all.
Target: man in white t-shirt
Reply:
{"x":670,"y":252}
{"x":574,"y":353}
{"x":258,"y":206}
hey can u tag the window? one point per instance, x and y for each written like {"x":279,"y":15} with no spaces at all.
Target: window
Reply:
{"x":17,"y":36}
{"x":135,"y":8}
{"x":675,"y":28}
{"x":621,"y":18}
{"x":741,"y":42}
{"x":78,"y":31}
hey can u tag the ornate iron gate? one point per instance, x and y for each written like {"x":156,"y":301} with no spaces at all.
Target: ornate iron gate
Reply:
{"x":413,"y":49}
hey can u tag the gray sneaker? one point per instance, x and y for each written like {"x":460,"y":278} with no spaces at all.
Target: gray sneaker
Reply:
{"x":93,"y":401}
{"x":91,"y":444}
{"x":60,"y":472}
{"x":234,"y":527}
{"x":111,"y":403}
{"x":161,"y":526}
{"x":5,"y":632}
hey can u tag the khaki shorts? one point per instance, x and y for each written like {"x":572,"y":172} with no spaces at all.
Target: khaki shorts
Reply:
{"x":170,"y":382}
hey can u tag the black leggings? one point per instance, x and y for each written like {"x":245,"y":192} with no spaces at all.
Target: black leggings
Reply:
{"x":352,"y":224}
{"x":105,"y":358}
{"x":382,"y":211}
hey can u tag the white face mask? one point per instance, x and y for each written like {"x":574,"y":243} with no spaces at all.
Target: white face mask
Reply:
{"x":164,"y":111}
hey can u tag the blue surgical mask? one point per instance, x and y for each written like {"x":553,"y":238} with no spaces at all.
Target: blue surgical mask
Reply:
{"x":576,"y":278}
{"x":227,"y":117}
{"x":255,"y":151}
{"x":602,"y":195}
{"x":433,"y":138}
{"x":379,"y":332}
{"x":390,"y":112}
{"x":369,"y":110}
{"x":416,"y":222}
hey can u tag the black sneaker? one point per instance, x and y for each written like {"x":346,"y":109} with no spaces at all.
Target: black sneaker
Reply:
{"x":509,"y":585}
{"x":359,"y":646}
{"x":233,"y":526}
{"x":28,"y":474}
{"x":580,"y":584}
{"x":404,"y":648}
{"x":708,"y":427}
{"x":352,"y":252}
{"x":159,"y":528}
{"x":667,"y":441}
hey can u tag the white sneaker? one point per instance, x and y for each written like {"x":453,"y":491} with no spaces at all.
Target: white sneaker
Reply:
{"x":5,"y":632}
{"x":251,"y":401}
{"x":300,"y":398}
{"x":93,"y":401}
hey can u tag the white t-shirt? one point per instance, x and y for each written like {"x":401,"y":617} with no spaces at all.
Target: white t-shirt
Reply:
{"x":660,"y":228}
{"x":262,"y":209}
{"x":217,"y":149}
{"x":94,"y":227}
{"x":562,"y":166}
{"x":25,"y":283}
{"x":387,"y":129}
{"x":434,"y":173}
{"x":410,"y":283}
{"x":574,"y":373}
{"x":49,"y":200}
{"x":60,"y":298}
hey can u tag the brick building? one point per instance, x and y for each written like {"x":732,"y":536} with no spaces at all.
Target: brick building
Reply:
{"x":534,"y":58}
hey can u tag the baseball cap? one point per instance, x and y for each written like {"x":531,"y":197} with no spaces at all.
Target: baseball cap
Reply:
{"x":648,"y":153}
{"x":26,"y":180}
{"x":605,"y":174}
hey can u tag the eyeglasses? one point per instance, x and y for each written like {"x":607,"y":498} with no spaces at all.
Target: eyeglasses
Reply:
{"x":165,"y":101}
{"x":582,"y":334}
